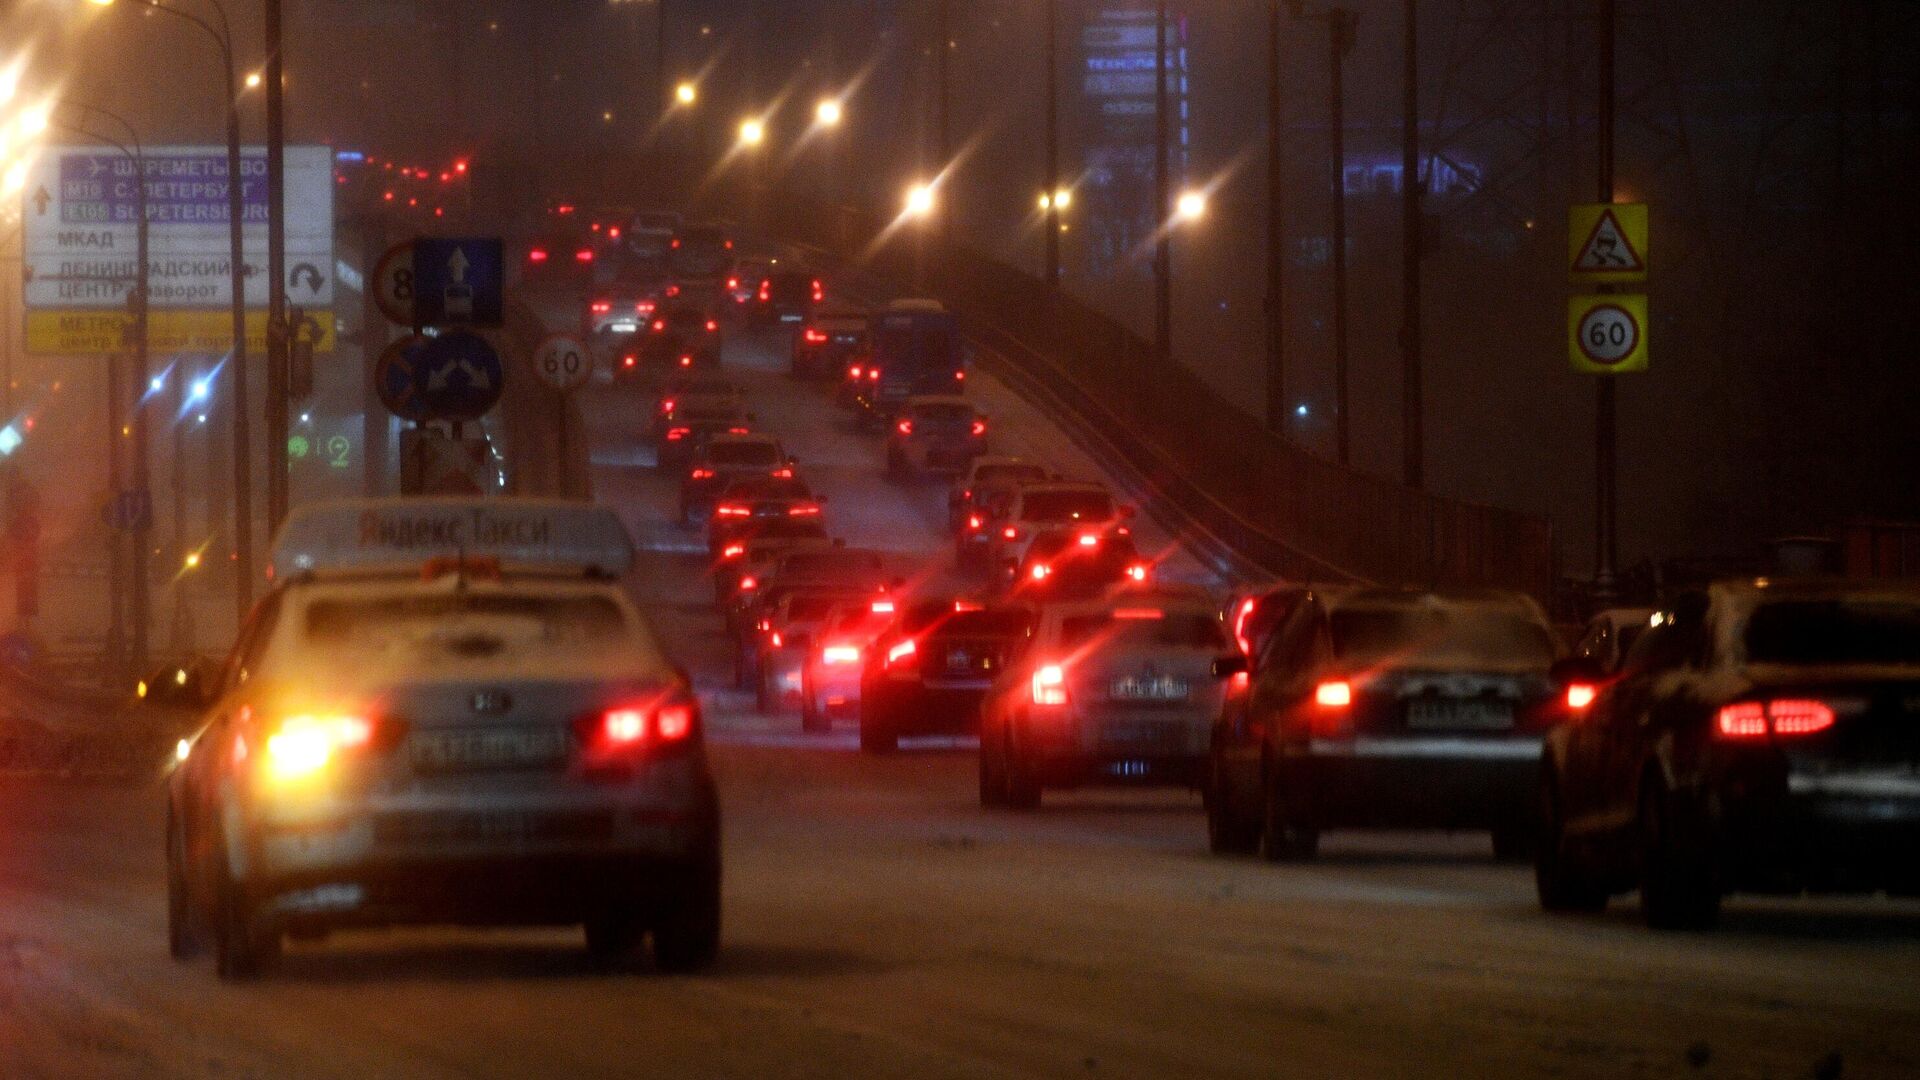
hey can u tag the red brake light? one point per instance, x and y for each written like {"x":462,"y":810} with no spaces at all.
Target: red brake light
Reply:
{"x":675,"y":243}
{"x":766,"y":291}
{"x":673,"y":290}
{"x":730,"y":510}
{"x":853,"y":372}
{"x":1784,"y":717}
{"x":873,"y":374}
{"x":905,"y":427}
{"x":803,"y":510}
{"x":1239,"y":683}
{"x":1050,"y":685}
{"x":959,"y":376}
{"x":629,"y":360}
{"x":1010,"y":533}
{"x":819,"y":293}
{"x":749,"y":583}
{"x":666,"y":407}
{"x":1334,"y":694}
{"x":659,"y":325}
{"x":1137,"y":572}
{"x":537,"y":255}
{"x":602,"y":307}
{"x":840,"y":654}
{"x":814,"y":337}
{"x":738,"y":431}
{"x":900,"y":652}
{"x":881,"y":607}
{"x":733,"y":283}
{"x":701,"y":474}
{"x":1089,"y":540}
{"x":712,"y":325}
{"x":973,"y":521}
{"x":782,"y":474}
{"x":733,"y":551}
{"x":584,"y":255}
{"x":1580,"y":695}
{"x":687,"y":361}
{"x":979,"y":428}
{"x":678,"y":433}
{"x":1141,"y":613}
{"x":1040,"y":571}
{"x":631,"y":726}
{"x":644,"y":307}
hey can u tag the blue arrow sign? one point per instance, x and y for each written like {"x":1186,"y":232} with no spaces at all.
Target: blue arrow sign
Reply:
{"x":459,"y":377}
{"x":458,"y":280}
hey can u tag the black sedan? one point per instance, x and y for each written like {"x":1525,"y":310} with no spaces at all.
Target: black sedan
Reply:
{"x":1762,"y":736}
{"x":929,"y":671}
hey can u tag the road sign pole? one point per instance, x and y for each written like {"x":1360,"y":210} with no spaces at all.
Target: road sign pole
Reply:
{"x":276,"y":271}
{"x":116,"y":538}
{"x":1412,"y":404}
{"x":1605,"y":407}
{"x":239,"y":406}
{"x":142,"y":463}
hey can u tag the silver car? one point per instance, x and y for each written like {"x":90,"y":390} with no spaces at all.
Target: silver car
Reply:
{"x":448,"y":711}
{"x":1107,"y":692}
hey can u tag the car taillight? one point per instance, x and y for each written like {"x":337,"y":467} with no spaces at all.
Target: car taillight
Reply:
{"x":712,"y":326}
{"x":900,"y":652}
{"x":973,"y":522}
{"x":840,"y":654}
{"x":644,"y":307}
{"x":629,"y":360}
{"x":873,"y":374}
{"x":1239,"y":682}
{"x":732,"y":511}
{"x":819,"y":293}
{"x":602,"y":307}
{"x":1050,"y":685}
{"x":1010,"y":533}
{"x":959,"y":376}
{"x":701,"y":474}
{"x":738,"y":431}
{"x":905,"y":427}
{"x":673,"y":290}
{"x":687,"y":361}
{"x":1089,"y":540}
{"x":676,"y":434}
{"x":1137,"y":572}
{"x":803,"y":510}
{"x":733,"y":551}
{"x":777,"y":641}
{"x":853,"y":372}
{"x":1040,"y":571}
{"x":1333,"y":694}
{"x":633,"y":727}
{"x":881,"y":607}
{"x":666,"y":407}
{"x":781,"y":474}
{"x":658,"y":325}
{"x":733,"y":283}
{"x":1580,"y":695}
{"x":538,"y":255}
{"x":813,"y":337}
{"x":1240,"y":625}
{"x":304,"y":745}
{"x":1784,"y":717}
{"x":749,"y":583}
{"x":766,"y":291}
{"x":584,"y":255}
{"x":979,"y":428}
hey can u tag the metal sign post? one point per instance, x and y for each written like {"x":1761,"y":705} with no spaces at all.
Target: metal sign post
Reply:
{"x":565,"y":365}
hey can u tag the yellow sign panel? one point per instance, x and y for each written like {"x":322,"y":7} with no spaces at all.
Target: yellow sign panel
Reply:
{"x":1607,"y":243}
{"x":1607,"y":335}
{"x":91,"y":333}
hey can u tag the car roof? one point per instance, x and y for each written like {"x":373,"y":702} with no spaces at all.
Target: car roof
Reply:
{"x":1184,"y":599}
{"x":1390,"y":598}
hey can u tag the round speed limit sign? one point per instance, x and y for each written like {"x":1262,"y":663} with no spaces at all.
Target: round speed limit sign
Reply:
{"x":563,"y":363}
{"x":393,"y":284}
{"x":1608,"y":333}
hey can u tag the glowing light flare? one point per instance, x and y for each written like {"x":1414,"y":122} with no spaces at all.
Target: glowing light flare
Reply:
{"x":828,"y":113}
{"x":1190,"y":206}
{"x":919,"y":200}
{"x":686,"y":93}
{"x":753,"y":132}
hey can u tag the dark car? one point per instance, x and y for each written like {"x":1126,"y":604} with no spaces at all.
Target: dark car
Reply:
{"x":695,"y":422}
{"x":1256,"y":615}
{"x":1064,"y":564}
{"x":1761,"y":736}
{"x":563,"y":257}
{"x":746,"y":501}
{"x":680,"y":336}
{"x":723,"y":459}
{"x":1388,"y":708}
{"x":823,"y":346}
{"x":935,"y":433}
{"x":785,"y":296}
{"x":683,"y":387}
{"x":929,"y":671}
{"x":700,"y":255}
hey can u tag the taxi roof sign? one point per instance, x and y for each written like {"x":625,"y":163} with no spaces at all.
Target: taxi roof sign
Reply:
{"x":404,"y":534}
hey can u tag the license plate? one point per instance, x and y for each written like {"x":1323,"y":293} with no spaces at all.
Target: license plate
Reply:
{"x":1456,"y":715}
{"x":624,"y":327}
{"x":488,"y":748}
{"x":1148,"y":688}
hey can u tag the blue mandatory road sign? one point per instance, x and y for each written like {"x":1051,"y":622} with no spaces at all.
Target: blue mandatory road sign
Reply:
{"x":460,"y":377}
{"x":458,"y":280}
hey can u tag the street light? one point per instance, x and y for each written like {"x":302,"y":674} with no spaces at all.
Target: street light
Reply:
{"x":1191,"y":206}
{"x":827,"y":113}
{"x":752,"y":132}
{"x":685,"y":93}
{"x":920,"y":200}
{"x":253,"y":80}
{"x":1059,"y":200}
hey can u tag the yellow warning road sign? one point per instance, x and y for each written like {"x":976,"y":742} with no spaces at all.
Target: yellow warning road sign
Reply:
{"x":1607,"y":334}
{"x":92,"y":333}
{"x":1607,"y":243}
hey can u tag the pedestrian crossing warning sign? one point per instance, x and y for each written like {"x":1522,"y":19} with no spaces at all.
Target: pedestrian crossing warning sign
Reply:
{"x":1607,"y":243}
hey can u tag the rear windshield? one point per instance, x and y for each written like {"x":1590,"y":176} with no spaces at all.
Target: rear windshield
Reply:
{"x":813,"y":608}
{"x":1172,"y":629}
{"x":932,"y":343}
{"x":745,"y":490}
{"x":789,"y":529}
{"x":466,"y":627}
{"x":827,"y":561}
{"x":708,"y":413}
{"x":944,"y":413}
{"x":1834,"y":632}
{"x":754,"y":453}
{"x":1446,"y":636}
{"x":995,"y":474}
{"x":1067,"y":506}
{"x":789,"y":284}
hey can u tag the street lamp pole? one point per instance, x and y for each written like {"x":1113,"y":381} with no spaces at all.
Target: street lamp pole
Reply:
{"x":1339,"y":42}
{"x":276,"y":270}
{"x":236,"y":214}
{"x":1276,"y":232}
{"x":1052,"y":189}
{"x":1162,"y":205}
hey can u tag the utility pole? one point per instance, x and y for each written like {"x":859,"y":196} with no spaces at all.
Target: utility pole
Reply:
{"x":1052,"y":188}
{"x":1276,"y":233}
{"x":943,"y":112}
{"x":142,"y":465}
{"x":1605,"y":496}
{"x":276,"y":271}
{"x":1340,"y":40}
{"x":1412,"y":403}
{"x":1162,"y":198}
{"x":117,"y":540}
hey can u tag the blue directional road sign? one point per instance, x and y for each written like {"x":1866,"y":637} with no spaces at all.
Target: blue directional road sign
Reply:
{"x":458,"y":280}
{"x":459,"y":377}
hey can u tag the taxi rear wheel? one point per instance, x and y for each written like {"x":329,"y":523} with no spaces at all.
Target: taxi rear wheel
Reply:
{"x":686,"y":930}
{"x":245,"y":944}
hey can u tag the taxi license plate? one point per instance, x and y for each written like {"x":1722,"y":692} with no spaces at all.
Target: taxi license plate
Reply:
{"x":1456,"y":715}
{"x":1148,"y":688}
{"x":488,"y":748}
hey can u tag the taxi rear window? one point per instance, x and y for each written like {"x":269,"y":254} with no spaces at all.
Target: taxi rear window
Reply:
{"x":469,"y":626}
{"x":1166,"y":629}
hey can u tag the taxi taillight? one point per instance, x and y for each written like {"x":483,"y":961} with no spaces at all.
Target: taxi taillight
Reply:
{"x":305,"y":744}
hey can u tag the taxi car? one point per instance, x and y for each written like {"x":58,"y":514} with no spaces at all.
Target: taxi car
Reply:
{"x":1762,"y":736}
{"x":446,"y":711}
{"x":1107,"y":692}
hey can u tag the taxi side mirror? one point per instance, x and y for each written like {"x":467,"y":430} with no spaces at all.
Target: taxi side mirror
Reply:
{"x":1226,"y":667}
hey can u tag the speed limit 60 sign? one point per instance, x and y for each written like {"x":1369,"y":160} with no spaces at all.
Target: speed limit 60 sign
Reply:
{"x":563,"y":363}
{"x":1607,"y":334}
